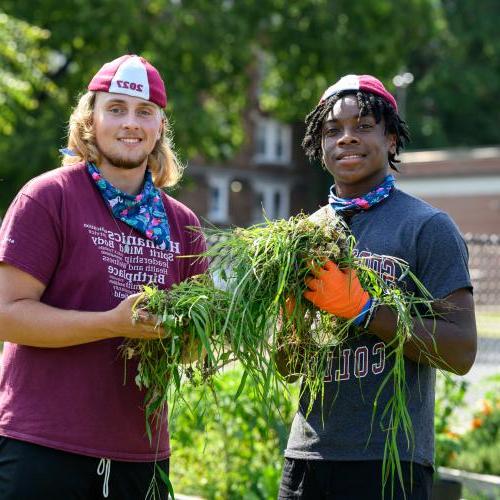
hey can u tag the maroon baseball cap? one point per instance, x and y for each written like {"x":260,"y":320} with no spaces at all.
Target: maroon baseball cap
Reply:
{"x":131,"y":75}
{"x":366,"y":83}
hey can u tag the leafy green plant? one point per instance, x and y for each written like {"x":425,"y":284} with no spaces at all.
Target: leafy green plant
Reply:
{"x":231,"y":449}
{"x":266,"y":263}
{"x":481,"y":444}
{"x":192,"y":315}
{"x":261,"y":267}
{"x":450,"y":393}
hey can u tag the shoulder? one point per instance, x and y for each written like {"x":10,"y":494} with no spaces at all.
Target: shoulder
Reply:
{"x":413,"y":213}
{"x":415,"y":220}
{"x":50,"y":189}
{"x":53,"y":182}
{"x":185,"y":224}
{"x":441,"y":256}
{"x":414,"y":210}
{"x":411,"y":205}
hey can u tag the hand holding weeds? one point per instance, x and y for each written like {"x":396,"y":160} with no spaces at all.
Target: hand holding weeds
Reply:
{"x":129,"y":320}
{"x":338,"y":292}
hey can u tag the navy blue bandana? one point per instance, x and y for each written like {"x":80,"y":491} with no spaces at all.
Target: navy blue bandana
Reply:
{"x":144,"y":211}
{"x":364,"y":202}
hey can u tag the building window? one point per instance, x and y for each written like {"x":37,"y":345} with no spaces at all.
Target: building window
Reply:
{"x":218,"y":201}
{"x":273,"y":142}
{"x":272,"y":200}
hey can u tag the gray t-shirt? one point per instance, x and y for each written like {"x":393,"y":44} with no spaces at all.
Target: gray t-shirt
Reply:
{"x":339,"y":426}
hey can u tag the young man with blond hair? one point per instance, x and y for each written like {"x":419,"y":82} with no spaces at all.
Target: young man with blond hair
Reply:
{"x":76,"y":245}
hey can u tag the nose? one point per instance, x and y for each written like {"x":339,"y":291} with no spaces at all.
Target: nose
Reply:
{"x":130,"y":122}
{"x":348,"y":137}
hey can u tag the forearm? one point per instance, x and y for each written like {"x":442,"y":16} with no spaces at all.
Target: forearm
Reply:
{"x":447,"y":341}
{"x":33,"y":323}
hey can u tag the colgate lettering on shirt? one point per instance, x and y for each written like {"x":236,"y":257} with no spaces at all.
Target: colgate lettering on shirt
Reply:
{"x":124,"y":84}
{"x":357,"y":363}
{"x":360,"y":362}
{"x":383,"y":265}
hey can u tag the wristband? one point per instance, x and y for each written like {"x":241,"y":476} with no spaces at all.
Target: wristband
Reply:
{"x":372,"y":312}
{"x":367,"y":308}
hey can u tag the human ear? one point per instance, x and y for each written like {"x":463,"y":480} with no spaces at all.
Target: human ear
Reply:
{"x":392,"y":143}
{"x":160,"y":131}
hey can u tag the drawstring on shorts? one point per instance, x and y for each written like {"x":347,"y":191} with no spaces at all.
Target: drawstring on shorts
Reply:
{"x":104,"y":467}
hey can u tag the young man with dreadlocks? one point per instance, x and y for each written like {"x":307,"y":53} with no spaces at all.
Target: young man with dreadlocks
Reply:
{"x":336,"y":451}
{"x":76,"y":245}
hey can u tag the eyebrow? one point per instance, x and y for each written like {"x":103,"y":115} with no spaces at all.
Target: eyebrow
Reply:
{"x":123,"y":101}
{"x":353,"y":117}
{"x":115,"y":101}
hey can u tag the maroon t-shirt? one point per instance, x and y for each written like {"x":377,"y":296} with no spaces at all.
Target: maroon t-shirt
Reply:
{"x":83,"y":399}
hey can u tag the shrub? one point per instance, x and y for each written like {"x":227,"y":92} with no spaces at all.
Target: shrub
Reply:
{"x":481,"y":444}
{"x":450,"y":393}
{"x":231,"y":448}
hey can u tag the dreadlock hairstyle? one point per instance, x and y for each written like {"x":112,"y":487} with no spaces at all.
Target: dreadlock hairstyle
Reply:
{"x":368,"y":104}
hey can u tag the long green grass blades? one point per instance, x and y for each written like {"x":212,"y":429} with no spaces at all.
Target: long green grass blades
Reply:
{"x":236,"y":312}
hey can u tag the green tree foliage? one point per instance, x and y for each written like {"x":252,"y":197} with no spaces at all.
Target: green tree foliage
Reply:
{"x":23,"y":66}
{"x":220,"y":58}
{"x":310,"y":44}
{"x":453,"y":101}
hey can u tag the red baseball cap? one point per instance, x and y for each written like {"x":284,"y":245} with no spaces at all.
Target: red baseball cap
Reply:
{"x":367,"y":83}
{"x":131,"y":75}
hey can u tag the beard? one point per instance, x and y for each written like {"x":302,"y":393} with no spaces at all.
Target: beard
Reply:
{"x":125,"y":163}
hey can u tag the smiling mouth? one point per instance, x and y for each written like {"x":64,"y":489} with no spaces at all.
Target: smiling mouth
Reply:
{"x":130,"y":140}
{"x":350,"y":156}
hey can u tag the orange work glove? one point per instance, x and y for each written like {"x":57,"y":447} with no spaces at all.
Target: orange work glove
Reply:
{"x":338,"y":292}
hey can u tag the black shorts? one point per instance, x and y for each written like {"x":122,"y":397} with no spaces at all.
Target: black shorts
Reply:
{"x":357,"y":480}
{"x":32,"y":472}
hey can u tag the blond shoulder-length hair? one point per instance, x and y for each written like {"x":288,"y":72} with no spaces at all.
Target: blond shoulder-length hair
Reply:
{"x":165,"y":167}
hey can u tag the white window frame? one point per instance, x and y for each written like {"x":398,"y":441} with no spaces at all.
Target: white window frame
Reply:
{"x":268,"y":190}
{"x":219,"y":212}
{"x":271,"y":132}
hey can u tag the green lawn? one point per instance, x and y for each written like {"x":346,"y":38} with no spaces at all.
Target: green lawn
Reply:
{"x":488,"y":323}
